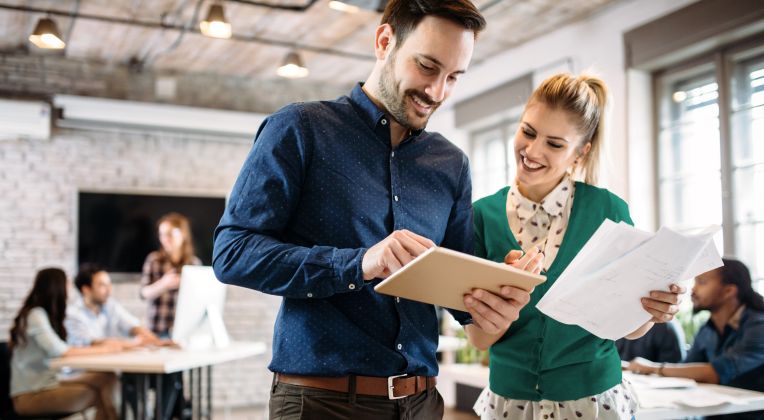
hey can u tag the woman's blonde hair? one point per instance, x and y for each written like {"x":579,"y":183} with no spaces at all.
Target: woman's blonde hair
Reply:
{"x":585,"y":98}
{"x":179,"y":221}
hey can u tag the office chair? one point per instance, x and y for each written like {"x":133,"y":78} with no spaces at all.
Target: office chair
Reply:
{"x":6,"y":405}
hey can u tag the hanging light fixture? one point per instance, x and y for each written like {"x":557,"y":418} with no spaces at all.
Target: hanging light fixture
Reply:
{"x":292,"y":67}
{"x":215,"y":25}
{"x":46,"y":35}
{"x":342,"y":6}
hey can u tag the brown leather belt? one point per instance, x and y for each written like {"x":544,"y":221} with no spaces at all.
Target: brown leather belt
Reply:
{"x":392,"y":387}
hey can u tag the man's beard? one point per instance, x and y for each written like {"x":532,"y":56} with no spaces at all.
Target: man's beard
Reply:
{"x":395,"y":102}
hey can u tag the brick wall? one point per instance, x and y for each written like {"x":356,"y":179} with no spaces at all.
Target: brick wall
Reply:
{"x":39,"y":181}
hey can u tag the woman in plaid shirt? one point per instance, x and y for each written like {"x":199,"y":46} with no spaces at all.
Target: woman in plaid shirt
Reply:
{"x":161,"y":271}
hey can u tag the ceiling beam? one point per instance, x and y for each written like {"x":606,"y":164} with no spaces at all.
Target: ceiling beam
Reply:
{"x":178,"y":27}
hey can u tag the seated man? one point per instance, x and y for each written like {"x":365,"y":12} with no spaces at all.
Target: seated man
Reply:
{"x":96,"y":318}
{"x":664,"y":343}
{"x":729,"y":349}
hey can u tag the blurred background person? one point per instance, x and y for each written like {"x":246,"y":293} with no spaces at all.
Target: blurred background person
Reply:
{"x":96,"y":317}
{"x":38,"y":335}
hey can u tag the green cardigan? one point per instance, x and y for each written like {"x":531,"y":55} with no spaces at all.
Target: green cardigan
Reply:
{"x":539,"y":358}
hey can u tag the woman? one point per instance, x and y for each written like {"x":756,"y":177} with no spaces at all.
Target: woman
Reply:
{"x":38,"y":335}
{"x":540,"y":368}
{"x":159,"y":285}
{"x":161,"y":271}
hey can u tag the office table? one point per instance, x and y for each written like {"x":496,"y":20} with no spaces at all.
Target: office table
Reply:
{"x":476,"y":376}
{"x":148,"y":363}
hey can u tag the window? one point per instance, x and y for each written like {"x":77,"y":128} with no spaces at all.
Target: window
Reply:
{"x":493,"y":159}
{"x":710,"y":148}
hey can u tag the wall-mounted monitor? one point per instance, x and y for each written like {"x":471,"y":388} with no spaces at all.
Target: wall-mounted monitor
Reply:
{"x":119,"y":230}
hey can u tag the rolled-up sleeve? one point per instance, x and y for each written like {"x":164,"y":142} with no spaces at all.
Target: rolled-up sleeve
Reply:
{"x":747,"y":354}
{"x":248,"y":247}
{"x":41,"y":333}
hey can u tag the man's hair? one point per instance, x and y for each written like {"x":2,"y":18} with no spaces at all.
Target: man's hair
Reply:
{"x":85,"y":275}
{"x":404,"y":15}
{"x":735,"y":272}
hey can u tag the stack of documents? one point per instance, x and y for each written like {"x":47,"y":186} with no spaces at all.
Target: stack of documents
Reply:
{"x":601,"y":289}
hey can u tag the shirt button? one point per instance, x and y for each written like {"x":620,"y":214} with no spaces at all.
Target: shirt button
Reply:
{"x":351,"y":287}
{"x":384,"y":121}
{"x":400,"y":346}
{"x":397,"y":300}
{"x":310,"y":294}
{"x":392,"y":154}
{"x":395,"y":198}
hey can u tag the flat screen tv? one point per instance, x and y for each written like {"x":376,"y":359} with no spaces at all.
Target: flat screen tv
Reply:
{"x":118,"y":231}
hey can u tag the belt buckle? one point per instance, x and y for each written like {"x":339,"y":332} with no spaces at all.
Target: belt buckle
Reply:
{"x":391,"y":387}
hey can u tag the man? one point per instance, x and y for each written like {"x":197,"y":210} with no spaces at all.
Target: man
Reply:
{"x":729,"y":349}
{"x":664,"y":343}
{"x":336,"y":195}
{"x":96,"y":318}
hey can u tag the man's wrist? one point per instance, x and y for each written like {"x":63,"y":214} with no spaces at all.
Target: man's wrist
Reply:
{"x":660,"y":369}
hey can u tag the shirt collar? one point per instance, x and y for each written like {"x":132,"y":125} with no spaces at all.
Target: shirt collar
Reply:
{"x":553,"y":204}
{"x":734,"y":322}
{"x":370,"y":112}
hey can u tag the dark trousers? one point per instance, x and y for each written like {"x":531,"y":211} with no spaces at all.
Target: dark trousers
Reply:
{"x":173,"y":401}
{"x":292,"y":402}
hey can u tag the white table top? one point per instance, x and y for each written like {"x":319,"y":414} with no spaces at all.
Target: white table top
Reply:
{"x":477,"y":376}
{"x":160,"y":360}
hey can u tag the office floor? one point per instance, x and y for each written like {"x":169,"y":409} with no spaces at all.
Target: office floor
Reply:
{"x":258,"y":413}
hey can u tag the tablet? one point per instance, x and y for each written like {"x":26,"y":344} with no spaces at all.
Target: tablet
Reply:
{"x":442,"y":277}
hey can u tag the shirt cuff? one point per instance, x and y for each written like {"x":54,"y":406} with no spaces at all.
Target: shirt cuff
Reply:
{"x":725,"y":369}
{"x":463,"y":318}
{"x":348,"y":268}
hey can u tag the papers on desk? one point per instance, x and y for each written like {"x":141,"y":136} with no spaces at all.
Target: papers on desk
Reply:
{"x":601,"y":288}
{"x":695,"y":397}
{"x":661,"y":382}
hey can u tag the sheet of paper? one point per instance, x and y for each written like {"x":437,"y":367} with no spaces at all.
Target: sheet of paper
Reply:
{"x":660,"y":382}
{"x":601,"y":288}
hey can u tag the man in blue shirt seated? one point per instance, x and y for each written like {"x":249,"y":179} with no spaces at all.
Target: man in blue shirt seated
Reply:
{"x":729,"y":349}
{"x":95,"y":317}
{"x":336,"y":195}
{"x":664,"y":343}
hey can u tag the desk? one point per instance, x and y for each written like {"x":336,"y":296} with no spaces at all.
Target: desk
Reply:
{"x":146,"y":363}
{"x":477,"y":376}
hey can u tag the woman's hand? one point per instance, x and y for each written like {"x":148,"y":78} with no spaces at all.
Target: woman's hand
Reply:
{"x":663,"y":305}
{"x":170,"y":281}
{"x":532,"y":261}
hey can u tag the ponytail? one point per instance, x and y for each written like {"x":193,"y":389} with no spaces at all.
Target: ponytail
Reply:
{"x":736,"y":273}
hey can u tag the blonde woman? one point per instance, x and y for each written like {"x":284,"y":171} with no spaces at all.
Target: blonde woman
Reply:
{"x":540,"y":368}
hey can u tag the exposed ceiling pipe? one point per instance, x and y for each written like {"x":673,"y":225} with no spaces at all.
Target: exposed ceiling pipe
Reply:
{"x":176,"y":27}
{"x":294,"y":8}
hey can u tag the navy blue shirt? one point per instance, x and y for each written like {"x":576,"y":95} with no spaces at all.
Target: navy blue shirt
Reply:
{"x":321,"y":185}
{"x":733,"y":353}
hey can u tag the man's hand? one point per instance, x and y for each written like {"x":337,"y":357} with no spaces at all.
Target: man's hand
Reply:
{"x":494,"y":314}
{"x":392,"y":253}
{"x":663,"y":305}
{"x":643,"y":366}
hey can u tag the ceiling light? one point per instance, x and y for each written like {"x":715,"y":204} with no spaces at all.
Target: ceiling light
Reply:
{"x":46,"y":35}
{"x":679,"y":96}
{"x":292,"y":68}
{"x":215,"y":25}
{"x":343,"y":7}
